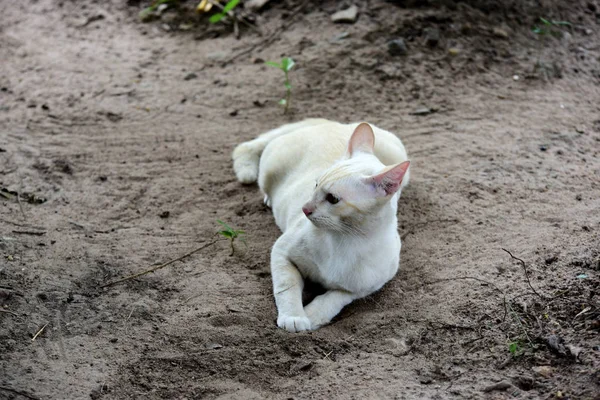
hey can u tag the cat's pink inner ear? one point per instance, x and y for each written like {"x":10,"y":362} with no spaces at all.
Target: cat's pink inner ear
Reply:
{"x":363,"y":139}
{"x":389,"y":181}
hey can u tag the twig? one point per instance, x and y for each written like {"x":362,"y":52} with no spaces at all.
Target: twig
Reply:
{"x":526,"y":274}
{"x":21,"y":206}
{"x":127,"y":93}
{"x":581,"y":313}
{"x":19,"y":392}
{"x":128,"y":317}
{"x":21,"y":225}
{"x":286,"y":289}
{"x":160,"y":266}
{"x":36,"y":233}
{"x":236,"y":28}
{"x":91,"y":19}
{"x":271,"y":38}
{"x":472,"y":341}
{"x":39,"y":332}
{"x":16,"y":315}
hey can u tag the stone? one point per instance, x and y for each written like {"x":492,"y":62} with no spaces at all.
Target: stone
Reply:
{"x":255,"y":5}
{"x":397,"y":347}
{"x":454,"y":51}
{"x":543,"y":370}
{"x":349,"y":15}
{"x":500,"y":33}
{"x":397,"y":47}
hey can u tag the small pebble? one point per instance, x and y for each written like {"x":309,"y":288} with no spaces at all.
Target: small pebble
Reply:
{"x":500,"y":33}
{"x":165,"y":214}
{"x":543,"y":370}
{"x":501,"y":386}
{"x":550,"y":260}
{"x":348,"y":15}
{"x":397,"y":47}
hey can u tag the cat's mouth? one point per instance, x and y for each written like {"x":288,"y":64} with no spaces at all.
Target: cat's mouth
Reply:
{"x":321,"y":222}
{"x":316,"y":219}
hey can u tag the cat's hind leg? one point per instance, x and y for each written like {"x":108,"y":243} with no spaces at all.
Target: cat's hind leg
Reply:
{"x":246,"y":156}
{"x":287,"y":289}
{"x":323,"y":308}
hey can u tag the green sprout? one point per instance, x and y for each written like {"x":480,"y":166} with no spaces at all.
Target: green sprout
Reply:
{"x":286,"y":65}
{"x":231,"y":4}
{"x":548,"y":27}
{"x":231,"y":234}
{"x":515,"y":348}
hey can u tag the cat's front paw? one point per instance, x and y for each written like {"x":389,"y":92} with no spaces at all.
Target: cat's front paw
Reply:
{"x":293,"y":324}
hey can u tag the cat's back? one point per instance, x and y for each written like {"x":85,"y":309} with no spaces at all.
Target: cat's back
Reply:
{"x":312,"y":148}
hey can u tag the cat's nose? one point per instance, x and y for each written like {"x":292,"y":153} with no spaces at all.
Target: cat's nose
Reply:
{"x":306,"y":211}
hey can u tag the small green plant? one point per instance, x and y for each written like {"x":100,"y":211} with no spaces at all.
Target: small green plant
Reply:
{"x":515,"y":348}
{"x":549,"y":27}
{"x":231,"y":4}
{"x":286,"y":65}
{"x":231,"y":234}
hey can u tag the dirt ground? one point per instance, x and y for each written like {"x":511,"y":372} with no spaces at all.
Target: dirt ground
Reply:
{"x":115,"y":143}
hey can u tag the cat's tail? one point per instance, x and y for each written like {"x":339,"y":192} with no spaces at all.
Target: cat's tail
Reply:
{"x":246,"y":156}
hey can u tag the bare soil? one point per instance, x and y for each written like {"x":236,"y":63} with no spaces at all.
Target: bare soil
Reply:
{"x":115,"y":142}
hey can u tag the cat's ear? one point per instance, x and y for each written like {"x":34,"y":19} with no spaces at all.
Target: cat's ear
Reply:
{"x":388,"y":182}
{"x":363,"y":139}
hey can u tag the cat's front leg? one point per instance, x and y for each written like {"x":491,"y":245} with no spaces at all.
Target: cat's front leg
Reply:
{"x":323,"y":308}
{"x":287,"y":289}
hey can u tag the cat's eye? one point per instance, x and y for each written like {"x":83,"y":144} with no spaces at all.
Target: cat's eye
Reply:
{"x":331,"y":198}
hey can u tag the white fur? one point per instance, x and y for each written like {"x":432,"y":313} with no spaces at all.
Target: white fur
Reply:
{"x":352,"y":248}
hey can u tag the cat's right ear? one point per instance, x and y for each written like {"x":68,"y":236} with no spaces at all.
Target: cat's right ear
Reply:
{"x":362,"y":140}
{"x":388,"y":182}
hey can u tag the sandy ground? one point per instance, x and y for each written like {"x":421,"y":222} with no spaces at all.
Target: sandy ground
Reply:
{"x":103,"y":119}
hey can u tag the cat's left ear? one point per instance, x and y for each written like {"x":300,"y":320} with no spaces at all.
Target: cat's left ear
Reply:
{"x":388,"y":182}
{"x":363,"y":139}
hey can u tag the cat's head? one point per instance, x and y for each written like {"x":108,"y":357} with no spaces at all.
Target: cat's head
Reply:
{"x":355,"y":188}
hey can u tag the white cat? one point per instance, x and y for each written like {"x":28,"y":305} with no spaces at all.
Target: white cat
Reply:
{"x":334,"y":190}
